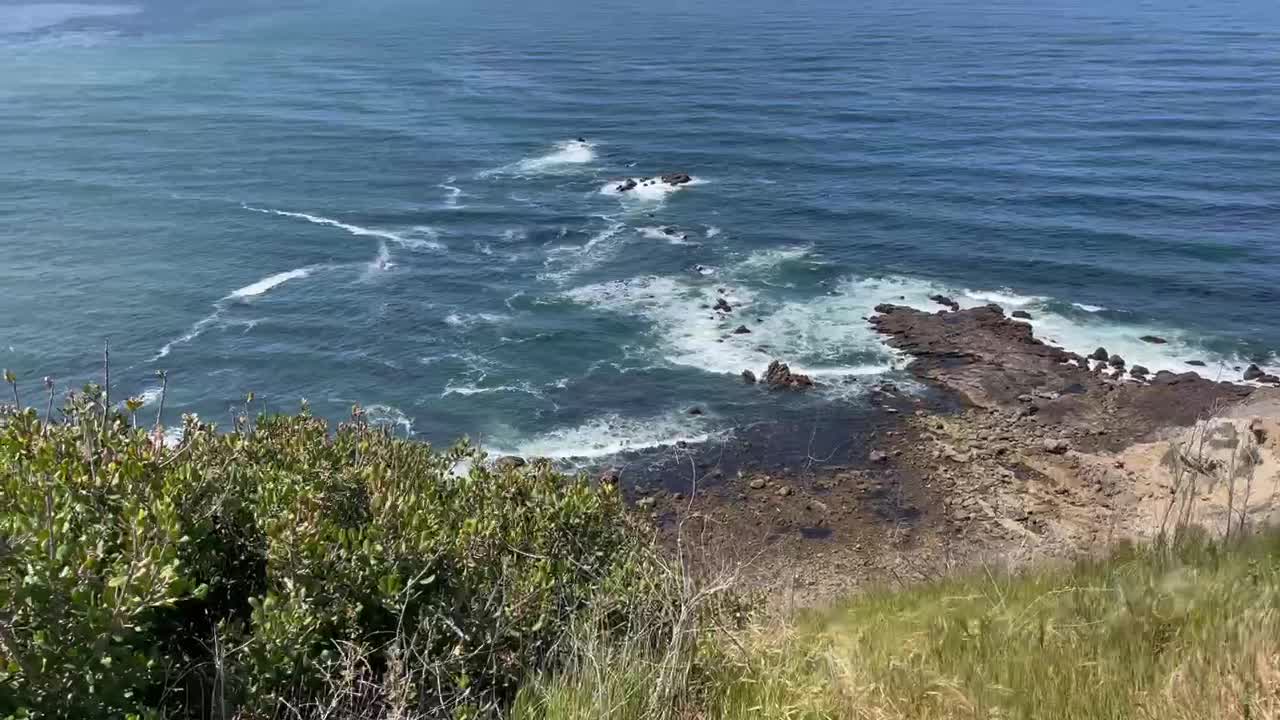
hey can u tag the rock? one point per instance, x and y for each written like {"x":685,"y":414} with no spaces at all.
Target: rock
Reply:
{"x":626,"y":185}
{"x":1197,"y":363}
{"x":723,"y":305}
{"x":695,"y":411}
{"x":1253,"y":372}
{"x":779,"y":376}
{"x":878,"y":456}
{"x":783,"y":491}
{"x":756,"y":484}
{"x":646,"y":503}
{"x":676,"y":178}
{"x":1139,"y":371}
{"x":1083,"y":362}
{"x":944,"y":300}
{"x":509,"y":462}
{"x":668,"y":230}
{"x":742,"y":330}
{"x":610,"y":477}
{"x":1269,"y":379}
{"x":1021,"y":314}
{"x":1153,"y":339}
{"x":1116,"y":362}
{"x":748,"y":377}
{"x":1100,"y":355}
{"x":1057,"y":446}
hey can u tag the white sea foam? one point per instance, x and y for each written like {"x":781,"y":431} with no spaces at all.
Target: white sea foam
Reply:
{"x":1004,"y":298}
{"x":564,"y":261}
{"x":400,"y":239}
{"x":1088,"y":308}
{"x":466,"y":320}
{"x":468,"y":390}
{"x":712,"y":231}
{"x":766,"y":260}
{"x":647,"y":191}
{"x":453,"y":193}
{"x":267,"y":283}
{"x":565,"y":156}
{"x":817,"y":336}
{"x":609,"y":435}
{"x":150,"y":395}
{"x":675,"y":237}
{"x":388,"y":416}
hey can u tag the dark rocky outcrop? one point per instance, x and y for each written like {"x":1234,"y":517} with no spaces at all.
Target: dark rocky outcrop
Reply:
{"x":1253,"y":372}
{"x":1021,"y":314}
{"x":723,"y":305}
{"x":676,"y":178}
{"x":1116,"y":362}
{"x":944,"y":300}
{"x":1101,"y":355}
{"x":748,"y":377}
{"x":626,"y":185}
{"x":1153,"y":339}
{"x":1139,"y":371}
{"x":742,"y":330}
{"x":990,"y":361}
{"x":1196,"y":363}
{"x":780,"y":377}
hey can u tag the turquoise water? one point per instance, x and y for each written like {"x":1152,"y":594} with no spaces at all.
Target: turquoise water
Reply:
{"x":386,"y":203}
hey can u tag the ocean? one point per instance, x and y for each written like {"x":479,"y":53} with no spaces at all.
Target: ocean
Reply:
{"x":413,"y":206}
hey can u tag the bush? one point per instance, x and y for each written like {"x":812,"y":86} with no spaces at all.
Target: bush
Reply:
{"x":243,"y":572}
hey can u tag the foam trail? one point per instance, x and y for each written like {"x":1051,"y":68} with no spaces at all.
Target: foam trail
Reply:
{"x":567,"y":155}
{"x":454,"y":192}
{"x":244,"y":294}
{"x":1004,"y":298}
{"x":610,"y":435}
{"x":712,"y":231}
{"x":1088,"y":308}
{"x":357,"y":230}
{"x":267,"y":283}
{"x":573,"y":259}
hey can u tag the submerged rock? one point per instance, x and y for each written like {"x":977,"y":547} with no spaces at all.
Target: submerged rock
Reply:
{"x":1197,"y":363}
{"x":1021,"y":314}
{"x":742,"y":330}
{"x":749,"y":377}
{"x":723,"y":305}
{"x":626,"y":185}
{"x":1153,"y":339}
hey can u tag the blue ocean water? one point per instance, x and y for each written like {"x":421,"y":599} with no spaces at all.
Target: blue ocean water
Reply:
{"x":386,"y":202}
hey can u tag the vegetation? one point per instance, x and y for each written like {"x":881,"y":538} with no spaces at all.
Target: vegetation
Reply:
{"x":286,"y":569}
{"x":1170,"y":634}
{"x":247,"y":573}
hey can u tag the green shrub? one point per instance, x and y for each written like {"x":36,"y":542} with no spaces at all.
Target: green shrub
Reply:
{"x":241,"y":572}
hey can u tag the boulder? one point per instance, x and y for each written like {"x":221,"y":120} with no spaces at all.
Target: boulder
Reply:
{"x":748,"y":377}
{"x":509,"y":462}
{"x":1056,"y":446}
{"x":1197,"y":363}
{"x":1021,"y":314}
{"x":878,"y":456}
{"x":944,"y":300}
{"x":695,"y":410}
{"x":1253,"y":372}
{"x":1100,"y":355}
{"x":1153,"y":339}
{"x":783,"y":491}
{"x":1139,"y":371}
{"x":676,"y":178}
{"x":626,"y":185}
{"x":779,"y":376}
{"x":1116,"y":362}
{"x":1269,"y":379}
{"x":723,"y":305}
{"x":756,"y":484}
{"x":741,"y":330}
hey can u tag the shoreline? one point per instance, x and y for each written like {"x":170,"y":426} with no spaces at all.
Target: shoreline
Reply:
{"x":1019,"y":451}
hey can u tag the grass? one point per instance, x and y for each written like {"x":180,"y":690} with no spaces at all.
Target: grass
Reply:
{"x":1146,"y":633}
